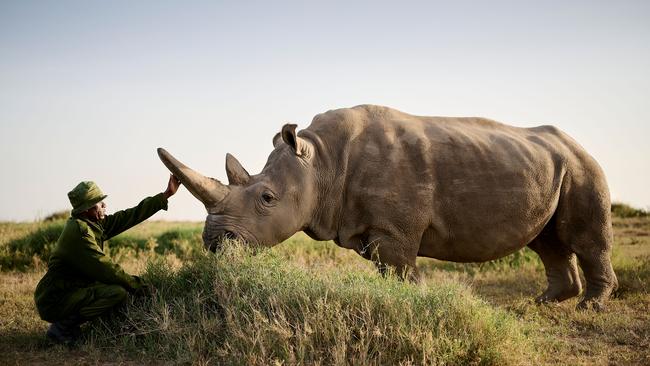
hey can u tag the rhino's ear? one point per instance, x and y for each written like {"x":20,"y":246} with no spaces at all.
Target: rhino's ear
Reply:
{"x":277,"y":139}
{"x":237,"y":175}
{"x":290,"y":138}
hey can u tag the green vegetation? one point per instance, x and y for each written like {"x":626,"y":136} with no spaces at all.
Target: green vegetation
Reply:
{"x":624,"y":210}
{"x":308,"y":302}
{"x":34,"y":248}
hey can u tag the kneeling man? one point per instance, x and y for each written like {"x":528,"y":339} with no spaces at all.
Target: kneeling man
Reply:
{"x":81,"y":282}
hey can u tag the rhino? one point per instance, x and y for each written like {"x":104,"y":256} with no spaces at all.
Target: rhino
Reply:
{"x":394,"y":186}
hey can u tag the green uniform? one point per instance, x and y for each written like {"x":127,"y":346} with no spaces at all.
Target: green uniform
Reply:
{"x":81,"y":279}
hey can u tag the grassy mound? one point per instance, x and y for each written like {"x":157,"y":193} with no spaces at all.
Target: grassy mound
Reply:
{"x":239,"y":308}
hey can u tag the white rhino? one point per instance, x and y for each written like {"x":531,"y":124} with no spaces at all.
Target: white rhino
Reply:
{"x":393,"y":186}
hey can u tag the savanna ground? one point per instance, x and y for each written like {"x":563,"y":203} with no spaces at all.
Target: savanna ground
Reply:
{"x":307,"y":302}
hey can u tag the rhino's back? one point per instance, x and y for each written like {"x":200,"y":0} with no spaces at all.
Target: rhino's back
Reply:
{"x":446,"y":179}
{"x":452,"y":149}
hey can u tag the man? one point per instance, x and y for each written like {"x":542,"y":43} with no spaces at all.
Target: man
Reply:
{"x":81,"y":282}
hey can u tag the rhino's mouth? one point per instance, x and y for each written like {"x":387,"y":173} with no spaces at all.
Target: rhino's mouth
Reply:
{"x":213,"y":242}
{"x":214,"y":234}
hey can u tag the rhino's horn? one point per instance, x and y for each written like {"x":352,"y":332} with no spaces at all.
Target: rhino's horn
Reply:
{"x":207,"y":190}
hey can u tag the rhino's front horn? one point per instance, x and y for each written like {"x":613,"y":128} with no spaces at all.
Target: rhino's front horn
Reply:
{"x":207,"y":190}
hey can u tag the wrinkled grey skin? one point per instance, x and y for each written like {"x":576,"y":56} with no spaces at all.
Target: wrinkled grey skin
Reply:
{"x":394,"y":186}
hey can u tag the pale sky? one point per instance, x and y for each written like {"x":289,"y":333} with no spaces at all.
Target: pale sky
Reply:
{"x":90,"y":89}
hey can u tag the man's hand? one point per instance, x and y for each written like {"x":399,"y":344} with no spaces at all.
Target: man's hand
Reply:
{"x":172,"y":186}
{"x":143,"y":288}
{"x":146,"y":289}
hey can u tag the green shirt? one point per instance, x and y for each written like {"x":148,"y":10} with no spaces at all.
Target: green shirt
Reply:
{"x":78,"y":259}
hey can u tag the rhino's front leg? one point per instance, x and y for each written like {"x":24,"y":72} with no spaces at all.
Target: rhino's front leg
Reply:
{"x":390,"y":253}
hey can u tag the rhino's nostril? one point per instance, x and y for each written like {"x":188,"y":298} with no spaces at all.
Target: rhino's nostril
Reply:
{"x":229,"y":235}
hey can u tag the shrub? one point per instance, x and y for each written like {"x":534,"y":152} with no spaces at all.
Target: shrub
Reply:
{"x":37,"y":245}
{"x":57,"y":216}
{"x":625,"y":210}
{"x":127,"y":242}
{"x":519,"y":259}
{"x":238,"y":308}
{"x":185,"y":243}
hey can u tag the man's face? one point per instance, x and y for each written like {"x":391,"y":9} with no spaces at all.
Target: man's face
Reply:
{"x":97,"y":212}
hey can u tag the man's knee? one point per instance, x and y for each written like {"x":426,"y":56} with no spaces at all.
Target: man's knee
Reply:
{"x":105,"y":298}
{"x":111,"y":294}
{"x":116,"y":293}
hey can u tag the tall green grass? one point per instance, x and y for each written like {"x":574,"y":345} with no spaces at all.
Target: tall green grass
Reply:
{"x":239,"y":308}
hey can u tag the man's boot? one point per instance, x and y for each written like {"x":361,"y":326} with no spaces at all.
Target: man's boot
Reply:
{"x":65,"y":331}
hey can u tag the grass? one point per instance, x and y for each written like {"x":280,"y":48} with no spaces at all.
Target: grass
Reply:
{"x":313,"y":302}
{"x":235,"y":307}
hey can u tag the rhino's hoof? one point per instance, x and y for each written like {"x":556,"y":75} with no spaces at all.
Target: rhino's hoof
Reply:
{"x":558,"y":295}
{"x":543,"y":299}
{"x":553,"y":298}
{"x":592,"y":304}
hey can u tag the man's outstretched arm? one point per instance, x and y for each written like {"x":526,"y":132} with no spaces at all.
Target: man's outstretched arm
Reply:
{"x":126,"y":219}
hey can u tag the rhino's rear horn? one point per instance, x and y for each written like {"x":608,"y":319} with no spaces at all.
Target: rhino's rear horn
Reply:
{"x":237,"y":175}
{"x":277,"y":139}
{"x":207,"y":190}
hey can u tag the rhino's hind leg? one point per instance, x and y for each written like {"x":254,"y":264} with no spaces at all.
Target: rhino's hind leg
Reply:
{"x":600,"y":277}
{"x":561,"y":270}
{"x":584,"y":225}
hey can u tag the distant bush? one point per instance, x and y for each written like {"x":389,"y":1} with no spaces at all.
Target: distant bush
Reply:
{"x":521,"y":258}
{"x":238,"y":308}
{"x":20,"y":254}
{"x":625,"y":210}
{"x":128,"y":242}
{"x":184,"y":243}
{"x":57,"y":216}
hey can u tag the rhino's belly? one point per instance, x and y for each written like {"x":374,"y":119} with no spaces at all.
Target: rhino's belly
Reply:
{"x":480,"y":245}
{"x":477,"y":250}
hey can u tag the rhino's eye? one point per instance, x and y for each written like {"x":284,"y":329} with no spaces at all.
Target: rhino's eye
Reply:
{"x":268,"y":197}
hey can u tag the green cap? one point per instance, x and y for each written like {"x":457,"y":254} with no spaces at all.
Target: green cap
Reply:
{"x":84,"y":196}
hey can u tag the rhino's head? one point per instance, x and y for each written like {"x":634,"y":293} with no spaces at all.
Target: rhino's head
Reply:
{"x":262,"y":209}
